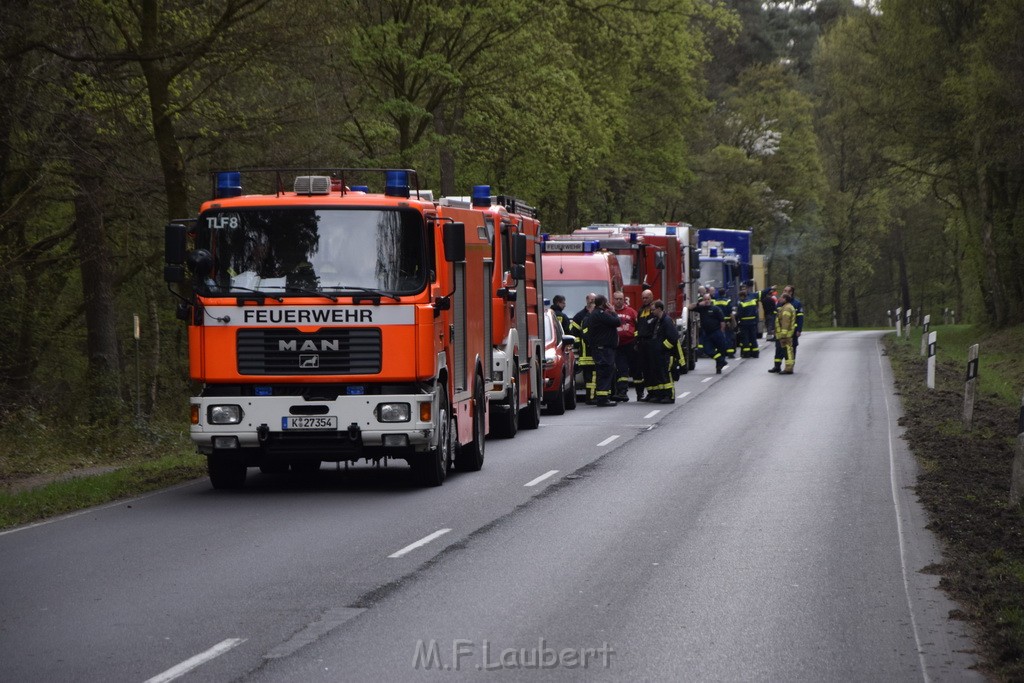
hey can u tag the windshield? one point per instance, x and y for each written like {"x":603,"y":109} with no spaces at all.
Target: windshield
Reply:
{"x":288,"y":250}
{"x":712,"y":273}
{"x":575,"y":292}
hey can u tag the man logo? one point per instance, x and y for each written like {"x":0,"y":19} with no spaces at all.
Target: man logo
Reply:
{"x":309,"y":345}
{"x":309,"y":361}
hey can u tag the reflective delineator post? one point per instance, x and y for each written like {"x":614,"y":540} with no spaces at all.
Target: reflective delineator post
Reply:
{"x":970,"y":387}
{"x":924,"y":334}
{"x":899,"y":323}
{"x":1017,"y":474}
{"x":910,"y":311}
{"x":931,"y":359}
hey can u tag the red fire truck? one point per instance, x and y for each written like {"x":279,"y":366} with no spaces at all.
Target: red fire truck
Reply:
{"x":663,"y":257}
{"x":330,"y":323}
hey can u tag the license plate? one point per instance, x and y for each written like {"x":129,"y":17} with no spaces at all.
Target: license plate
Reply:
{"x":318,"y":422}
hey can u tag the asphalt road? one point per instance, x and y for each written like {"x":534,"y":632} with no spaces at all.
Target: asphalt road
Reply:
{"x":759,"y":529}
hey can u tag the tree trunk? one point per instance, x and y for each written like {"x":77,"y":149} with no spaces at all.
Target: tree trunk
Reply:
{"x":103,"y":377}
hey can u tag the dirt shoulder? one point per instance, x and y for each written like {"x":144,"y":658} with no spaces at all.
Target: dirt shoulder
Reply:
{"x":964,"y":485}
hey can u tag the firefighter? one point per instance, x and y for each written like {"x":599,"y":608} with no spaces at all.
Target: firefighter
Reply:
{"x":647,"y":346}
{"x":799,"y":308}
{"x":667,"y":336}
{"x":712,"y":325}
{"x":625,"y":353}
{"x":746,"y":314}
{"x":769,"y":302}
{"x":724,"y":304}
{"x":603,"y":329}
{"x":785,"y":335}
{"x":585,"y":362}
{"x":558,"y":308}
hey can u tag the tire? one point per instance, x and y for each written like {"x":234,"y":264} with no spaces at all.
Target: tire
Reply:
{"x":226,"y":472}
{"x":556,"y":401}
{"x":570,"y":393}
{"x":432,"y":467}
{"x":505,"y":422}
{"x":530,"y":418}
{"x":470,"y":457}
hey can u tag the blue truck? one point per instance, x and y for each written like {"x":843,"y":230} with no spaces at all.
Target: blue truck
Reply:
{"x":726,"y":260}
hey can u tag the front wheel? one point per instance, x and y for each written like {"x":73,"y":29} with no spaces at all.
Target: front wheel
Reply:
{"x":431,"y":467}
{"x":226,"y":472}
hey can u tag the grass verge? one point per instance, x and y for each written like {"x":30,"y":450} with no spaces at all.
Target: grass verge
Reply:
{"x":965,"y":480}
{"x":61,"y":497}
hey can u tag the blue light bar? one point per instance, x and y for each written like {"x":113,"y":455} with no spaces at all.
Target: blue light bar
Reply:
{"x":397,"y":184}
{"x":360,"y":188}
{"x":355,"y":390}
{"x":263,"y":391}
{"x":632,"y":237}
{"x":229,"y":184}
{"x":481,"y":195}
{"x":670,"y":229}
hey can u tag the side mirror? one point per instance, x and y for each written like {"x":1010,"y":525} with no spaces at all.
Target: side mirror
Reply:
{"x":174,"y":252}
{"x":659,"y":260}
{"x":519,"y":250}
{"x":568,"y":340}
{"x":695,"y":264}
{"x":518,"y":272}
{"x":454,"y":242}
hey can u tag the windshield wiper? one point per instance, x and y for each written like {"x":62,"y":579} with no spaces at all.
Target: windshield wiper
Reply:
{"x":311,"y":292}
{"x":365,"y":290}
{"x":231,"y":288}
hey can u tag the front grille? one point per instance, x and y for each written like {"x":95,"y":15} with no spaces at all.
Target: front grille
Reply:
{"x":337,"y":351}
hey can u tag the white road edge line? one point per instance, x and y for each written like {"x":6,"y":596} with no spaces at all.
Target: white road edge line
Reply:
{"x":534,"y":482}
{"x":608,"y":440}
{"x":420,"y":543}
{"x":899,"y":526}
{"x":651,"y":414}
{"x":192,"y":662}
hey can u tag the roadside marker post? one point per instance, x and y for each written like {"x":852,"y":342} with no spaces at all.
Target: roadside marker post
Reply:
{"x":924,"y":334}
{"x":931,"y":359}
{"x":899,"y":323}
{"x":970,"y":388}
{"x":910,"y":312}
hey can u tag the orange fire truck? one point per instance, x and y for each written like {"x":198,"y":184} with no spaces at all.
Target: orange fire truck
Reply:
{"x":513,"y":282}
{"x":330,"y":323}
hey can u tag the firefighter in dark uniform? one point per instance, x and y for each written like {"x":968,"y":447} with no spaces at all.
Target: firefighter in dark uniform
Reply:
{"x":648,"y":347}
{"x":603,"y":328}
{"x":558,"y":308}
{"x":667,"y":336}
{"x":724,"y":304}
{"x":746,"y":319}
{"x":711,"y":324}
{"x":585,"y":362}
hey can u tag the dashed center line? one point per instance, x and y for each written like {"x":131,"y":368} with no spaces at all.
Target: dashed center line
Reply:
{"x":608,"y":440}
{"x":192,"y":662}
{"x":420,"y":543}
{"x":684,"y":394}
{"x":651,"y":414}
{"x":706,"y":379}
{"x":534,"y":482}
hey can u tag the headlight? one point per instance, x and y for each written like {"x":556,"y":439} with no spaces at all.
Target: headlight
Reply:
{"x":549,"y":355}
{"x":225,"y":415}
{"x":393,"y":412}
